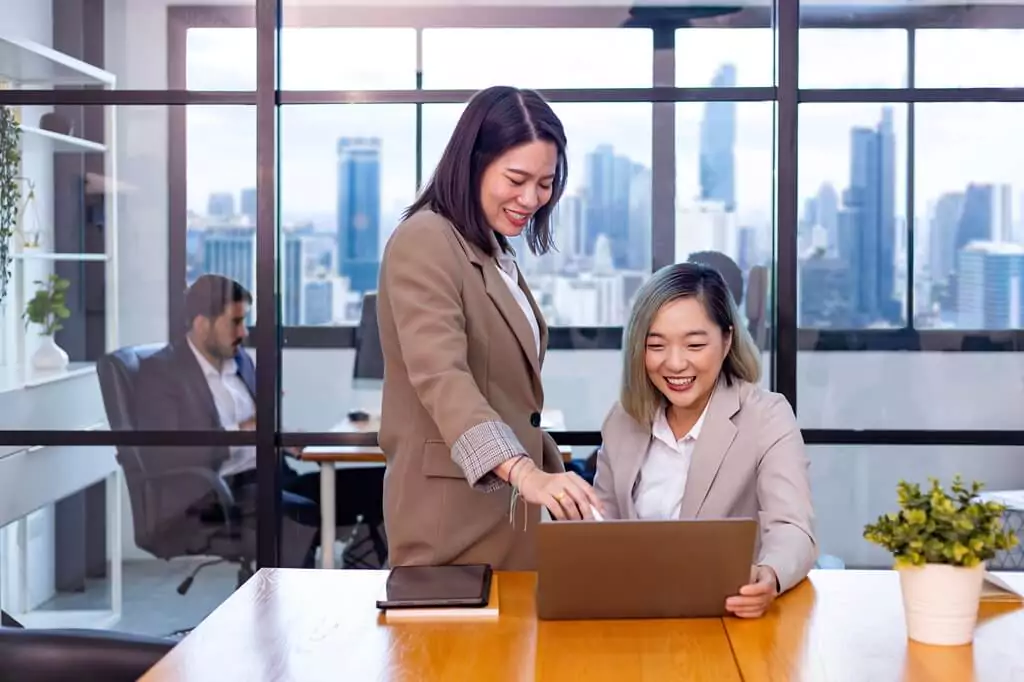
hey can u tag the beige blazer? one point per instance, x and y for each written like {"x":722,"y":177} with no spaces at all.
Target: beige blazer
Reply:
{"x":749,"y":461}
{"x":462,"y":393}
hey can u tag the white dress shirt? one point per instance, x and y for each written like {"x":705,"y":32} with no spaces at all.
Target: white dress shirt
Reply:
{"x":234,"y":406}
{"x":659,"y":493}
{"x":510,"y":274}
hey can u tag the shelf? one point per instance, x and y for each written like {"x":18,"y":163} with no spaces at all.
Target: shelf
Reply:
{"x":28,"y":63}
{"x":39,"y":377}
{"x":64,"y":143}
{"x":14,"y":378}
{"x":38,"y":254}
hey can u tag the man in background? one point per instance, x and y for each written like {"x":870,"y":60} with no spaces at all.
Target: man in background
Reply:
{"x":205,"y":380}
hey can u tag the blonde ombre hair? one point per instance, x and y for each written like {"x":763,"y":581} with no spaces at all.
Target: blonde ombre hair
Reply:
{"x":639,"y":397}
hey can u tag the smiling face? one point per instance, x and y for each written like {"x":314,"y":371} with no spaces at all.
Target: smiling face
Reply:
{"x":516,"y":185}
{"x":684,"y":353}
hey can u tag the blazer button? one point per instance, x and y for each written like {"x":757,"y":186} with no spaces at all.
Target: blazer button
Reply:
{"x":535,"y":419}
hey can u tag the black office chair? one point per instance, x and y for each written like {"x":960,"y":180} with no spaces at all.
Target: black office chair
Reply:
{"x":176,"y":511}
{"x":73,"y":655}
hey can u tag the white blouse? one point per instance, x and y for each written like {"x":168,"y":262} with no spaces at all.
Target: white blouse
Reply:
{"x":659,"y":493}
{"x":510,"y":274}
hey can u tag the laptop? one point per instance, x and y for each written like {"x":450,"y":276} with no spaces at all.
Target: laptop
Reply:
{"x":642,"y":569}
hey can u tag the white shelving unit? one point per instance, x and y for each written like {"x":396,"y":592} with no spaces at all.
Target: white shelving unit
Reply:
{"x":25,"y":64}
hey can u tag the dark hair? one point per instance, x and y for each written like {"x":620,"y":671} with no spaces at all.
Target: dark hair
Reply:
{"x":726,"y":267}
{"x":210,"y":295}
{"x":495,"y":120}
{"x":638,"y":396}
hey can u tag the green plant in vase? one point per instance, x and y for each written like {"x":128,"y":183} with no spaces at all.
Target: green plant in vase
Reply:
{"x":940,"y":542}
{"x":47,"y":309}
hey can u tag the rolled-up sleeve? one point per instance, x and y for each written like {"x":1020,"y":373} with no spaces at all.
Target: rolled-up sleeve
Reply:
{"x":420,"y":279}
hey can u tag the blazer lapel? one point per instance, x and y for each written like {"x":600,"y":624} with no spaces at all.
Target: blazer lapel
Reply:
{"x":541,"y":324}
{"x":506,"y":304}
{"x":246,"y":371}
{"x":194,"y":384}
{"x":627,"y":442}
{"x":713,"y":443}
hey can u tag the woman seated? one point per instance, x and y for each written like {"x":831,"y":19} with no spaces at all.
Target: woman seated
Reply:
{"x":694,"y":436}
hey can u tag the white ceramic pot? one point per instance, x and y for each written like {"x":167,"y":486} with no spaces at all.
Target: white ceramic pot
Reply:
{"x":49,"y":356}
{"x":940,"y":602}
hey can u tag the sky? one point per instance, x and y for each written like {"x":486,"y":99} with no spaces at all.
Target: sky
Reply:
{"x":955,"y":143}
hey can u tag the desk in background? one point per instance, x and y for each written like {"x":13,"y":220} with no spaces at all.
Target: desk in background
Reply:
{"x":305,"y":626}
{"x":330,"y":457}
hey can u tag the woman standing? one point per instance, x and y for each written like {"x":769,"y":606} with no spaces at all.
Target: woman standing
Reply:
{"x":464,"y":342}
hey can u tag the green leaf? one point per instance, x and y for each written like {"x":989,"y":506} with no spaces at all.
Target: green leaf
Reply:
{"x":936,"y":526}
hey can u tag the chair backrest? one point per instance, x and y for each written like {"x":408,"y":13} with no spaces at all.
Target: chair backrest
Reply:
{"x":117,"y":372}
{"x":73,"y":655}
{"x":757,"y":305}
{"x":369,"y":363}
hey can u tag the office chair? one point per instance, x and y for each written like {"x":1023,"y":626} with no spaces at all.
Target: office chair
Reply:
{"x":177,"y":511}
{"x":73,"y":655}
{"x":367,"y":505}
{"x":757,"y":305}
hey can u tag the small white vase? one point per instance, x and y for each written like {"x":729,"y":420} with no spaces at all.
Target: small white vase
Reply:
{"x":940,"y":602}
{"x":49,"y":356}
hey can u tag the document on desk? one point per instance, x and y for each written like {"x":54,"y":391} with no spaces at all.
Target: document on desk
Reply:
{"x":1013,"y":500}
{"x":1003,"y":587}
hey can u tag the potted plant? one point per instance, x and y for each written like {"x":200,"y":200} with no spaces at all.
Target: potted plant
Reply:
{"x":10,"y":190}
{"x":46,"y":309}
{"x":940,"y":541}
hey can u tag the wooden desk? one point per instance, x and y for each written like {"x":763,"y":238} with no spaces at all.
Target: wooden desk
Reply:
{"x":306,"y":625}
{"x":849,"y":625}
{"x":329,"y":457}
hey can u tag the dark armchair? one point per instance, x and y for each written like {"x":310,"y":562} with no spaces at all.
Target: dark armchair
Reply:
{"x":177,"y":511}
{"x":73,"y":655}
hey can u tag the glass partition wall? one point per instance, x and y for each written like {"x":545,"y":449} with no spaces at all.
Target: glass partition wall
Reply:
{"x":857,"y":166}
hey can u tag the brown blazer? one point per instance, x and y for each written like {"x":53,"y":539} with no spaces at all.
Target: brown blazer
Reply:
{"x":749,"y":461}
{"x":462,"y":394}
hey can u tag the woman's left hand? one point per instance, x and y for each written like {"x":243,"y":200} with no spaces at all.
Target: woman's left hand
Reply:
{"x":755,"y":598}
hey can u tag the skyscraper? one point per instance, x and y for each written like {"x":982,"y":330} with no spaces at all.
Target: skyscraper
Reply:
{"x":867,"y":224}
{"x":607,"y":208}
{"x":231,"y":252}
{"x":248,"y":204}
{"x":989,"y":287}
{"x":359,"y":211}
{"x":292,"y":276}
{"x":220,"y":205}
{"x":717,"y":145}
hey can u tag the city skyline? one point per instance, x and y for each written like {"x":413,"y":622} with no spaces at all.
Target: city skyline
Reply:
{"x":818,"y":146}
{"x":850,"y":229}
{"x":852,"y":157}
{"x":220,"y":59}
